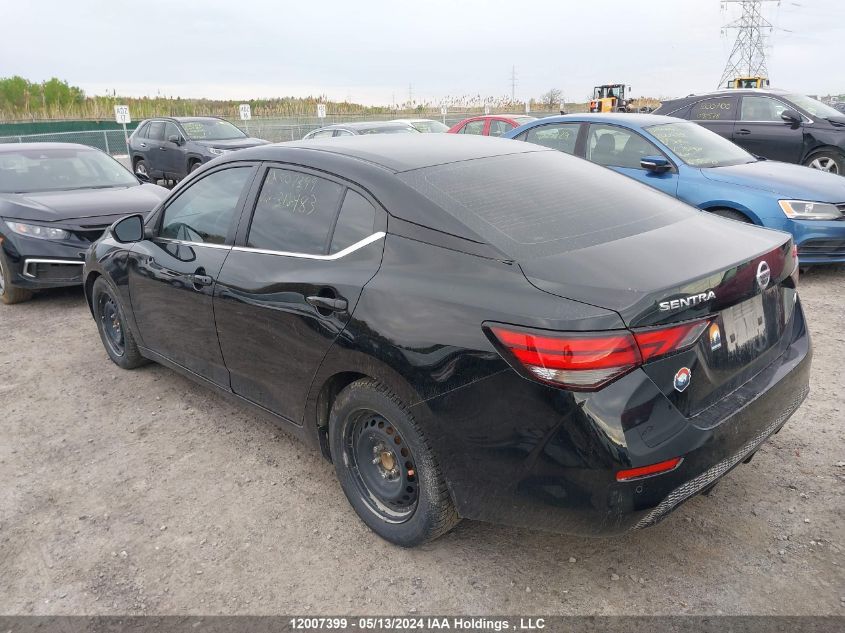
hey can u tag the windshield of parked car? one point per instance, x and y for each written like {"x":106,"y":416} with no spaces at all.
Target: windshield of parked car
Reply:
{"x":429,"y":126}
{"x":815,"y":108}
{"x":211,"y":130}
{"x":698,"y":146}
{"x":34,"y":170}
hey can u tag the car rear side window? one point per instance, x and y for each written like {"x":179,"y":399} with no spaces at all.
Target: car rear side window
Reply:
{"x":535,"y":204}
{"x":294,"y":213}
{"x":357,"y":217}
{"x":204,"y":211}
{"x":717,"y":109}
{"x":497,"y":128}
{"x":473,"y":127}
{"x":559,"y":136}
{"x":156,"y":131}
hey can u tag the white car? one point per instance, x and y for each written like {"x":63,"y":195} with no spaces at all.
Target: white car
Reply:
{"x":424,"y":125}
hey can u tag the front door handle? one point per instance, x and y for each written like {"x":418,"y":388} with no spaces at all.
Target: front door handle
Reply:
{"x":331,"y":304}
{"x":200,"y":280}
{"x":742,"y":132}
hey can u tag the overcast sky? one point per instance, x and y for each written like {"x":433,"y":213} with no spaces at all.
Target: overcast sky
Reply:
{"x":371,"y":50}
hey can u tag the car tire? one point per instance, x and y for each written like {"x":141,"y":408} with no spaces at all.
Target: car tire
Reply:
{"x":830,"y":161}
{"x":111,"y":324}
{"x":386,"y":466}
{"x":141,"y":168}
{"x":194,"y":166}
{"x":732,"y":215}
{"x":10,"y":294}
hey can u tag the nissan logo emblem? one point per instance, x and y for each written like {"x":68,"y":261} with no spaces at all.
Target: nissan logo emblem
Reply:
{"x":764,"y":275}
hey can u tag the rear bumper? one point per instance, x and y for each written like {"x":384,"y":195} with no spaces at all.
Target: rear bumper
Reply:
{"x":523,"y":454}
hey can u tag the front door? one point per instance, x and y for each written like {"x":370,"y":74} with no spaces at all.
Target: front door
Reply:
{"x":172,"y":275}
{"x":762,"y":132}
{"x":292,"y":281}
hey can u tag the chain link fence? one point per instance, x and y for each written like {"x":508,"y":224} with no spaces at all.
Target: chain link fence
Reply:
{"x":275,"y":130}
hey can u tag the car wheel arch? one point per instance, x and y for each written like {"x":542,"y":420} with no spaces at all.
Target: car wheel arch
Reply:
{"x":336,"y":373}
{"x":735,"y":208}
{"x":90,"y":280}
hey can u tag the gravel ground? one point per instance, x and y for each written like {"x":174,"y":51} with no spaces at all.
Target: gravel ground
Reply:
{"x":140,"y":492}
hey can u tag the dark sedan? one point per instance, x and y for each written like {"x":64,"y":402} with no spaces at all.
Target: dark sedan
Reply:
{"x":467,"y":327}
{"x":169,"y":148}
{"x":774,"y":124}
{"x":55,"y":199}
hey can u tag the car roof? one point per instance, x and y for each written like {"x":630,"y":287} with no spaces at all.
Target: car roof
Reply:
{"x":622,"y":118}
{"x":11,"y":147}
{"x":397,"y":152}
{"x":735,"y":91}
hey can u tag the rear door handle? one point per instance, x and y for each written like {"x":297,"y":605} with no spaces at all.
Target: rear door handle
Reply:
{"x":202,"y":280}
{"x":742,"y":132}
{"x":143,"y":144}
{"x":328,"y":303}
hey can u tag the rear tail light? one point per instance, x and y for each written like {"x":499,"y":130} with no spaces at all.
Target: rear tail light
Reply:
{"x":587,"y":361}
{"x":794,"y":274}
{"x":647,"y":471}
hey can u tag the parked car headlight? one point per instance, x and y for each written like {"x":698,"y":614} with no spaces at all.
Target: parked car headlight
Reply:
{"x":38,"y":231}
{"x":803,"y":210}
{"x":218,"y":152}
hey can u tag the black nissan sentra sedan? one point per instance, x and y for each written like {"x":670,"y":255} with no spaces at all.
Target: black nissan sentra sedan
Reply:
{"x":467,"y":327}
{"x":55,"y":200}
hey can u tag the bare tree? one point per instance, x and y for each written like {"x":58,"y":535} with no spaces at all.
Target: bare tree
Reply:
{"x":551,"y":99}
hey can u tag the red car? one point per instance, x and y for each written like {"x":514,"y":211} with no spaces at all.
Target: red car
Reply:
{"x":490,"y":124}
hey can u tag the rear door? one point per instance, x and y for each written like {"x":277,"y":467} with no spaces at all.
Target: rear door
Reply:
{"x":154,"y":153}
{"x":717,"y":113}
{"x":172,"y":275}
{"x":621,"y":149}
{"x":762,"y":132}
{"x":307,"y":245}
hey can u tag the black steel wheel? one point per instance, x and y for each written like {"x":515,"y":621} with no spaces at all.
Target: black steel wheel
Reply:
{"x":382,"y":466}
{"x":386,"y":467}
{"x":111,"y":324}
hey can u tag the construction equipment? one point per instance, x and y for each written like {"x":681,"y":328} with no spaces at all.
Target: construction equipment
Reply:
{"x":611,"y":98}
{"x":749,"y":82}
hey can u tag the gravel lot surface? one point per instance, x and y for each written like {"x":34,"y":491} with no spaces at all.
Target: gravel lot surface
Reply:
{"x":140,"y":492}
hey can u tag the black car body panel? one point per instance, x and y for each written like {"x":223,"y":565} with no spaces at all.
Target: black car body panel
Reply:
{"x":786,"y":141}
{"x":418,"y":292}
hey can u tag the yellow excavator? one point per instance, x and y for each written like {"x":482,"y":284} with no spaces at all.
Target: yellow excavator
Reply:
{"x":611,"y":98}
{"x":749,"y":82}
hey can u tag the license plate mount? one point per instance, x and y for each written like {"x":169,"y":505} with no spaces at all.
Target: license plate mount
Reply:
{"x":744,"y":323}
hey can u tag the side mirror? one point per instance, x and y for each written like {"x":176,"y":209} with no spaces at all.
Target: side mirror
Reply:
{"x":656,"y":164}
{"x":176,"y":140}
{"x":129,"y":229}
{"x":790,"y":116}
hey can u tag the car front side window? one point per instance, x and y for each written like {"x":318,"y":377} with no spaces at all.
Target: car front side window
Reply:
{"x":497,"y":127}
{"x":761,"y":109}
{"x":613,"y":146}
{"x":203,"y":213}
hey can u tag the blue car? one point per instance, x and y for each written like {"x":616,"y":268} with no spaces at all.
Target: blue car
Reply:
{"x":705,"y":170}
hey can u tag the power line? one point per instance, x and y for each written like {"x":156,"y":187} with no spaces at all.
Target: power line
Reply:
{"x":748,"y":57}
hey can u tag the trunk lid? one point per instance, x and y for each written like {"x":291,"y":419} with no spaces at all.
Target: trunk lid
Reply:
{"x":736,"y":275}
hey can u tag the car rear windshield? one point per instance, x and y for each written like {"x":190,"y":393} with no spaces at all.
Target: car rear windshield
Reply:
{"x":698,"y":146}
{"x":34,"y":170}
{"x":429,"y":126}
{"x":211,"y":130}
{"x":542,"y":203}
